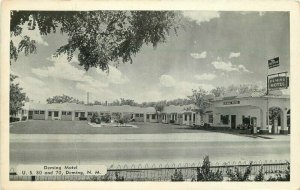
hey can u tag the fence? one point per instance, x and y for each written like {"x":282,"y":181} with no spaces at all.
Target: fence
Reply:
{"x":160,"y":172}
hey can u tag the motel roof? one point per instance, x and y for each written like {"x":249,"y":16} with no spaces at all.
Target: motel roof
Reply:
{"x":89,"y":108}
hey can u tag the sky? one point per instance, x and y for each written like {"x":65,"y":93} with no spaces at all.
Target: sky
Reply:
{"x":213,"y":49}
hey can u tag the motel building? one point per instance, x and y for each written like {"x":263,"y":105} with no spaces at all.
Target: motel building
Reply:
{"x":73,"y":112}
{"x":240,"y":111}
{"x":246,"y":111}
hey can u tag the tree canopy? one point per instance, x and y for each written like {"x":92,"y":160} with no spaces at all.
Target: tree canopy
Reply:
{"x":16,"y":96}
{"x":198,"y":98}
{"x":63,"y":99}
{"x":99,"y":37}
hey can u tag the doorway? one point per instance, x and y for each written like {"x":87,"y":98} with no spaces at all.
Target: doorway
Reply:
{"x":30,"y":114}
{"x":55,"y":115}
{"x":233,"y":121}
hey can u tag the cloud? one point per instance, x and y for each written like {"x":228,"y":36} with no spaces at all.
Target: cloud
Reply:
{"x":34,"y":88}
{"x":201,"y":16}
{"x":243,"y":68}
{"x":184,"y":88}
{"x":167,"y":81}
{"x":228,"y":66}
{"x":221,"y":65}
{"x":205,"y":76}
{"x":96,"y":91}
{"x":201,"y":55}
{"x":233,"y":54}
{"x":33,"y":34}
{"x":178,"y":89}
{"x":114,"y":75}
{"x":97,"y":83}
{"x":62,"y":69}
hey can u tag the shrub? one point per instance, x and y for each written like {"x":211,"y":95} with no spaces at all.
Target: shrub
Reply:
{"x":118,"y":177}
{"x":14,"y":119}
{"x":124,"y":119}
{"x":282,"y":177}
{"x":82,"y":118}
{"x":106,"y":118}
{"x":94,"y":117}
{"x":237,"y":175}
{"x":288,"y":172}
{"x":24,"y":118}
{"x":260,"y":175}
{"x":206,"y":174}
{"x":177,"y":176}
{"x":206,"y":126}
{"x":172,"y":121}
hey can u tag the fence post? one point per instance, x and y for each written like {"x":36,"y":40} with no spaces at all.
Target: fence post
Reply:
{"x":32,"y":178}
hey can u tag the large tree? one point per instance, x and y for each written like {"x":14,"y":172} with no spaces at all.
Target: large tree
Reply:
{"x":218,"y":91}
{"x":63,"y":99}
{"x":99,"y":37}
{"x":198,"y":98}
{"x":128,"y":102}
{"x":16,"y":96}
{"x":159,"y":107}
{"x":245,"y":88}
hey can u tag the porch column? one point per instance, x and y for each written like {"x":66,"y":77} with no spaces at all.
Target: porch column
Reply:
{"x":263,"y":122}
{"x":284,"y":128}
{"x":73,"y":115}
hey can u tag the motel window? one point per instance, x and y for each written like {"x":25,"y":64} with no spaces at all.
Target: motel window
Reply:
{"x":69,"y":113}
{"x":36,"y":112}
{"x":137,"y":115}
{"x":210,"y":118}
{"x":56,"y":114}
{"x":81,"y":114}
{"x":141,"y":115}
{"x":185,"y":117}
{"x":90,"y":113}
{"x":49,"y":113}
{"x":153,"y":116}
{"x":63,"y":113}
{"x":42,"y":112}
{"x":76,"y":114}
{"x":225,"y":119}
{"x":148,"y":116}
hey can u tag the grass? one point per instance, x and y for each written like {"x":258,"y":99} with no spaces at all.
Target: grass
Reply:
{"x":82,"y":127}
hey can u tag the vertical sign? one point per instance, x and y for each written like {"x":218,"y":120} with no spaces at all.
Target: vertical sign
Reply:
{"x":273,"y":62}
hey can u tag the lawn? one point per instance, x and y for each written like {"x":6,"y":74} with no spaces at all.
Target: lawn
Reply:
{"x":82,"y":127}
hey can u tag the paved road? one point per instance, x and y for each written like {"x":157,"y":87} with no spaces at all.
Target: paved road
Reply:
{"x":143,"y":148}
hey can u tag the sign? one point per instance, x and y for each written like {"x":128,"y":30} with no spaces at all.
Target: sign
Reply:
{"x":277,"y":83}
{"x":273,"y":62}
{"x":231,"y":102}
